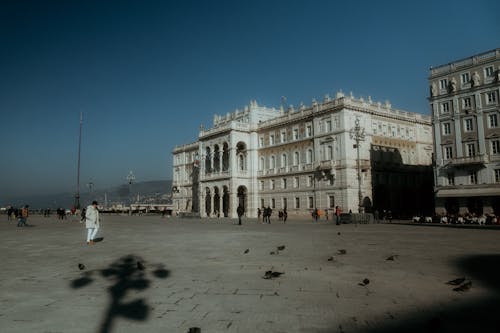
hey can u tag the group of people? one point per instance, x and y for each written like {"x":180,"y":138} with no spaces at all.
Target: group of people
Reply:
{"x":20,"y":214}
{"x":266,"y":213}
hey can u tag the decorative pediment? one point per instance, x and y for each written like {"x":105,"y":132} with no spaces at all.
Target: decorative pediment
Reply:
{"x":327,"y":139}
{"x":492,"y":136}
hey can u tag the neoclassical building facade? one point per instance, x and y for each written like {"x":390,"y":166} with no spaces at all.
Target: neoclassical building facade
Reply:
{"x":343,"y":151}
{"x":464,"y":100}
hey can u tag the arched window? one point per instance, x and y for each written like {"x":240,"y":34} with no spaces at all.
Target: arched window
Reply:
{"x":241,"y":162}
{"x":284,"y":160}
{"x":272,"y":162}
{"x":309,"y":157}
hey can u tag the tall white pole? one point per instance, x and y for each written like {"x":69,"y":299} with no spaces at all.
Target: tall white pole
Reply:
{"x":77,"y":195}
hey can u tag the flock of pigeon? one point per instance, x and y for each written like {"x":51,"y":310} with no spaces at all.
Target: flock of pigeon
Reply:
{"x":460,"y":283}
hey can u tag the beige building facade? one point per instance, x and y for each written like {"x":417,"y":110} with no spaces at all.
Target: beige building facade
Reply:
{"x":464,"y":101}
{"x":330,"y":153}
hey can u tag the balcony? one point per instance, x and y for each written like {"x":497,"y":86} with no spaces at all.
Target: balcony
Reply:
{"x":468,"y":161}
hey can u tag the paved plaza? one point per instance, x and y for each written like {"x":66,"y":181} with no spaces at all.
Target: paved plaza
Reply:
{"x":153,"y":274}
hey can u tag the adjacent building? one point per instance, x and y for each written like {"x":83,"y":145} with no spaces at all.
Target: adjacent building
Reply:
{"x":350,"y":152}
{"x":464,"y":101}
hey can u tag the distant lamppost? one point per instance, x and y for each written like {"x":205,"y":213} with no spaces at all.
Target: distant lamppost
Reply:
{"x":77,"y":194}
{"x":90,"y":185}
{"x":358,"y":134}
{"x":130,"y":179}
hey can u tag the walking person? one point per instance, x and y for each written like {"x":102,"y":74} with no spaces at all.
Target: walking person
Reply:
{"x":269,"y":213}
{"x":92,"y":222}
{"x":23,"y":218}
{"x":285,"y":215}
{"x":338,"y":211}
{"x":240,"y":210}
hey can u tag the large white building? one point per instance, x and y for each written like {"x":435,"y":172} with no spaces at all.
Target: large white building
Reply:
{"x":465,"y":108}
{"x":304,"y":158}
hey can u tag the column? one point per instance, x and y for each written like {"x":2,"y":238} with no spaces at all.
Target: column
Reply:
{"x":480,"y":125}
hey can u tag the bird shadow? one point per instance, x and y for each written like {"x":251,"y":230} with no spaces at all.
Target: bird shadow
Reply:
{"x":125,"y":274}
{"x":465,"y":314}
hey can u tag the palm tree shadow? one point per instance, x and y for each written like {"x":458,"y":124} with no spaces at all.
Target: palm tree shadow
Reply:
{"x":475,"y":315}
{"x":127,"y":273}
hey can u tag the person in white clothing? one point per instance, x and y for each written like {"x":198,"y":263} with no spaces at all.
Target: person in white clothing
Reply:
{"x":92,"y":222}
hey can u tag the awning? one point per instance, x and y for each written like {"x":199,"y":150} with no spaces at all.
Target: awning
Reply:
{"x":469,"y":192}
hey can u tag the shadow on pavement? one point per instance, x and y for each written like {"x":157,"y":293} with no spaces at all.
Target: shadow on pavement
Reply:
{"x":126,"y":274}
{"x":477,"y":315}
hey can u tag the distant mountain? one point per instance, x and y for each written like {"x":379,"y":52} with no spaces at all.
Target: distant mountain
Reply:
{"x":150,"y":190}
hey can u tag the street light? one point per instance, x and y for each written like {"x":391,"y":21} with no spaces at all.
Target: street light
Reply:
{"x":130,"y":179}
{"x":90,"y":185}
{"x":358,"y":134}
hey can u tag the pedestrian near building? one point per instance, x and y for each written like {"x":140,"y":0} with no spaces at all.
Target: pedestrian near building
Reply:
{"x":285,"y":215}
{"x":338,"y":211}
{"x":240,"y":210}
{"x":326,"y":214}
{"x":92,"y":222}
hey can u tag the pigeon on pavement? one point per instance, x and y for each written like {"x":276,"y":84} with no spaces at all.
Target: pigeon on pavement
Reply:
{"x":456,"y":282}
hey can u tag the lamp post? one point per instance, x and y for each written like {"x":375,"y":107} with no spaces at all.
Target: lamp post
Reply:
{"x":130,"y":179}
{"x":77,"y":194}
{"x":90,"y":185}
{"x":358,"y":134}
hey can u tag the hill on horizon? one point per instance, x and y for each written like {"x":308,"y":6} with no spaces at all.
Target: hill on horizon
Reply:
{"x":121,"y":193}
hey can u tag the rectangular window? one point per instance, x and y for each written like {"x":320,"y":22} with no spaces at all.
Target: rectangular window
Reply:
{"x":272,"y":185}
{"x":488,"y":71}
{"x":443,"y":84}
{"x":311,"y":202}
{"x":285,"y":205}
{"x":331,"y":201}
{"x":273,"y":203}
{"x":448,"y":153}
{"x":471,"y":149}
{"x":466,"y":103}
{"x":328,"y":126}
{"x":295,"y":133}
{"x":261,"y":142}
{"x":261,"y":187}
{"x":262,"y":203}
{"x":309,"y":181}
{"x":283,"y":136}
{"x":297,"y":202}
{"x":271,"y":139}
{"x":473,"y":177}
{"x":284,"y":183}
{"x":309,"y":131}
{"x":465,"y":78}
{"x":497,"y":175}
{"x":491,"y":97}
{"x":445,"y":107}
{"x":446,"y":128}
{"x":296,"y":182}
{"x":495,"y":147}
{"x":451,"y":179}
{"x":492,"y":120}
{"x":469,"y":126}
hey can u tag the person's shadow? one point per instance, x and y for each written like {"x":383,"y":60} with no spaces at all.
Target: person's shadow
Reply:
{"x":127,"y":273}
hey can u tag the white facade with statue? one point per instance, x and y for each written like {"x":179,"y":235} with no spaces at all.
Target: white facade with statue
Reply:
{"x":295,"y":159}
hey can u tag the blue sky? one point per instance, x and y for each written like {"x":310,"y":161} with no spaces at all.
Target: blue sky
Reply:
{"x":146,"y":74}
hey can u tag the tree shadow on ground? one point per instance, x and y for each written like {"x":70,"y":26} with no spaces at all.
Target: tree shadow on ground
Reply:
{"x":468,"y":314}
{"x":126,"y":274}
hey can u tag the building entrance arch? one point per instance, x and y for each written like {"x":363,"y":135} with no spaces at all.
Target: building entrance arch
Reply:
{"x":208,"y":201}
{"x":242,"y":197}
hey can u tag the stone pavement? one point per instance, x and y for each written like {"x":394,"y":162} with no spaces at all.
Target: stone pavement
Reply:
{"x":195,"y":273}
